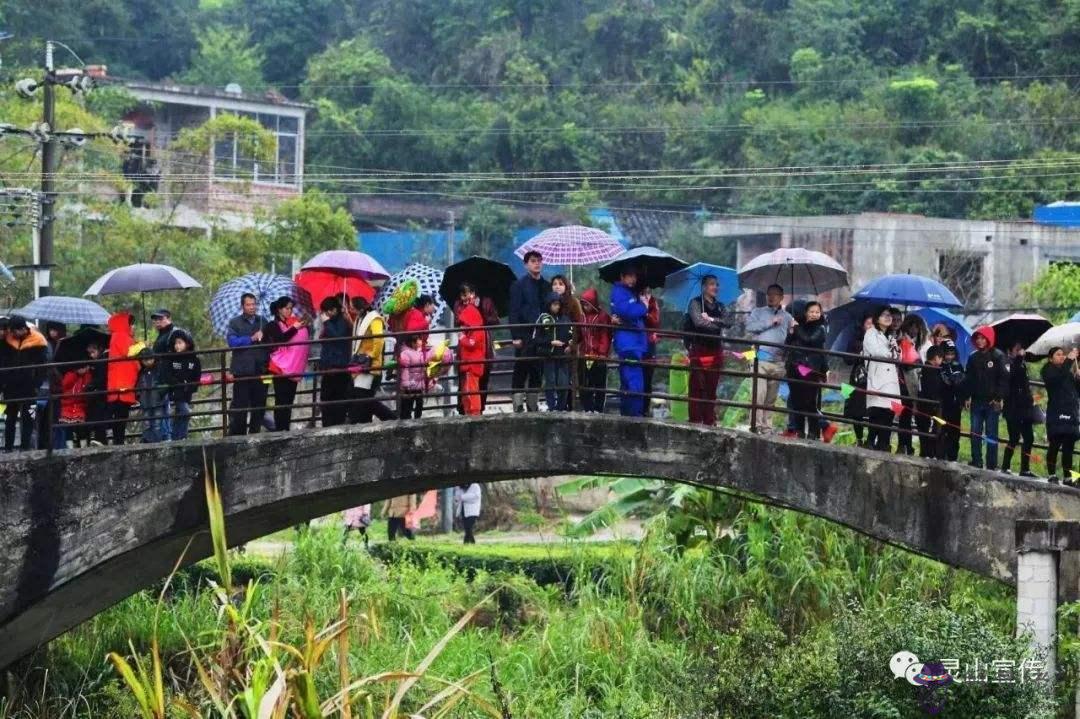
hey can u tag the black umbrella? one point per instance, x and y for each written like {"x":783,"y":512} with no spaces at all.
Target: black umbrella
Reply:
{"x":490,"y":278}
{"x":73,"y":347}
{"x":1022,"y":328}
{"x":653,"y":266}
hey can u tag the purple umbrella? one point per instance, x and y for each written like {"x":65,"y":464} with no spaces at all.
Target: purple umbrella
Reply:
{"x":142,"y":277}
{"x":348,"y":263}
{"x":802,"y":270}
{"x":572,"y":245}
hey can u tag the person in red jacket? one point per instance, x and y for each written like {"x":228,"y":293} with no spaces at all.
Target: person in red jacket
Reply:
{"x":73,"y":403}
{"x":593,"y":352}
{"x":418,"y":317}
{"x":491,"y":317}
{"x":472,"y":350}
{"x":121,"y":375}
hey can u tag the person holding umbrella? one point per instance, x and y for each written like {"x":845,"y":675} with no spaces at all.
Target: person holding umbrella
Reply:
{"x":122,"y":373}
{"x":1061,"y":374}
{"x":769,"y":324}
{"x":1019,"y":411}
{"x":334,"y":362}
{"x":882,"y":379}
{"x":527,"y":297}
{"x":705,"y":318}
{"x":249,"y":363}
{"x":473,"y":349}
{"x":289,"y":359}
{"x":630,"y":340}
{"x":162,"y":321}
{"x":490,"y":315}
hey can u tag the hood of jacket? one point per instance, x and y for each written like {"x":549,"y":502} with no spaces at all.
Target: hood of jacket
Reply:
{"x":554,"y":297}
{"x":178,"y":332}
{"x":590,"y":301}
{"x":987,"y":332}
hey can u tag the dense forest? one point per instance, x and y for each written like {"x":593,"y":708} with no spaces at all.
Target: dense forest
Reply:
{"x":753,"y":106}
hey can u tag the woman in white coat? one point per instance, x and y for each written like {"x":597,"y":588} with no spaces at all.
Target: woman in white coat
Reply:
{"x":467,"y":506}
{"x":881,"y":378}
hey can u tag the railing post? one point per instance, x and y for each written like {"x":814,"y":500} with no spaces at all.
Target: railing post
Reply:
{"x":224,"y":398}
{"x":753,"y":391}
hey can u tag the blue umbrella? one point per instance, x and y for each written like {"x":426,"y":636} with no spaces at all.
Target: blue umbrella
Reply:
{"x":844,"y":320}
{"x":682,"y":286}
{"x":935,"y":315}
{"x":908,"y":290}
{"x":66,"y":310}
{"x":266,"y":287}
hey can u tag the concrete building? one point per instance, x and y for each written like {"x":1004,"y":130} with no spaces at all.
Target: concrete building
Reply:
{"x":984,"y":262}
{"x":221,"y":188}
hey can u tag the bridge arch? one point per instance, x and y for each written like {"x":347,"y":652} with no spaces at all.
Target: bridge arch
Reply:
{"x":83,"y":530}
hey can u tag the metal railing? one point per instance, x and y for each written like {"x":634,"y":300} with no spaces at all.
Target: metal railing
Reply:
{"x":211,"y":410}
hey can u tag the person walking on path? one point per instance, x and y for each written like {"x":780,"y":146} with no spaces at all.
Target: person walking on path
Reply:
{"x":181,"y":369}
{"x":769,"y":324}
{"x":26,"y":356}
{"x":122,"y":374}
{"x":551,"y":340}
{"x":369,"y":349}
{"x":527,"y":297}
{"x":988,"y":385}
{"x":593,"y":352}
{"x":807,"y":334}
{"x":336,"y":390}
{"x":1019,"y":413}
{"x":472,"y":349}
{"x":288,"y":361}
{"x":396,"y":510}
{"x":628,"y":310}
{"x":467,"y":499}
{"x":705,"y":318}
{"x":357,"y":519}
{"x":882,"y":382}
{"x":249,"y":363}
{"x":1061,"y":375}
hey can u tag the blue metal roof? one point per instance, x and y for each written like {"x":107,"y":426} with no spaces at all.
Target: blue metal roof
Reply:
{"x":1064,"y":214}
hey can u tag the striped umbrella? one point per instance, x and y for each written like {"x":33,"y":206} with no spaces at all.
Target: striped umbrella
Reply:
{"x":573,"y":245}
{"x":427,"y":279}
{"x":266,"y":287}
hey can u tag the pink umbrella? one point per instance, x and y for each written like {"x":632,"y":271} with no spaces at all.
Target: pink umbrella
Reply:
{"x":348,"y":263}
{"x":572,"y":245}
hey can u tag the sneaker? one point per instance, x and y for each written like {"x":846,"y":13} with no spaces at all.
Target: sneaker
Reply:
{"x":95,"y":443}
{"x":829,"y":432}
{"x":1028,"y":475}
{"x":1006,"y":471}
{"x":790,"y":434}
{"x":1052,"y":479}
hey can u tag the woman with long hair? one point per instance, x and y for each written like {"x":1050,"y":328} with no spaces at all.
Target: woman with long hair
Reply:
{"x":914,"y":340}
{"x":1061,"y":374}
{"x":881,"y":379}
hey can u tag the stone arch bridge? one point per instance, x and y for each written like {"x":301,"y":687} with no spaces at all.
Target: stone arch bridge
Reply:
{"x":81,"y":530}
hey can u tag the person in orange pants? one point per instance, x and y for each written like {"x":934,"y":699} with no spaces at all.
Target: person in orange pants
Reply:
{"x":472,"y":350}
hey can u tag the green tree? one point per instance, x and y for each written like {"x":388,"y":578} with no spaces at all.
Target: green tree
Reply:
{"x":226,"y":55}
{"x":488,"y":227}
{"x":1057,"y":289}
{"x":308,"y":224}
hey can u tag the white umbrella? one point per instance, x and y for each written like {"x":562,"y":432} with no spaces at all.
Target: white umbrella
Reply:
{"x":798,"y":270}
{"x":1066,"y":336}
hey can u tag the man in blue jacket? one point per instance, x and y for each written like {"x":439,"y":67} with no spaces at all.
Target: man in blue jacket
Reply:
{"x":527,"y":300}
{"x":249,"y":361}
{"x":630,"y":341}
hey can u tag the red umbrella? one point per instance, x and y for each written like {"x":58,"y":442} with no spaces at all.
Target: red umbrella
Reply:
{"x":321,"y":284}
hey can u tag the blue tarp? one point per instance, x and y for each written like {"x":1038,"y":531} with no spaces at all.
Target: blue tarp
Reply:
{"x":1065,"y":214}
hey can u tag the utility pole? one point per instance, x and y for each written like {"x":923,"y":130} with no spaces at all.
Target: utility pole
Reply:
{"x":44,"y":259}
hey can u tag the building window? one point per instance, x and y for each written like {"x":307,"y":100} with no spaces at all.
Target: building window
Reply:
{"x":962,"y":272}
{"x":230,"y":162}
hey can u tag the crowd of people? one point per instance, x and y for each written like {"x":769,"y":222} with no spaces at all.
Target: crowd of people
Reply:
{"x":905,"y":378}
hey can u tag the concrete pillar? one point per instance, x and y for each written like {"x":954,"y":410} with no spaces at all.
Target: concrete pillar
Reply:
{"x":1036,"y":600}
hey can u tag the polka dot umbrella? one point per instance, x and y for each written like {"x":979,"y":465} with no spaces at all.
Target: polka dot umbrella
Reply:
{"x":427,"y":279}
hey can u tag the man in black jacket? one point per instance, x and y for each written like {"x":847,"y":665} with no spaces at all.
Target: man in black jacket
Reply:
{"x":988,"y":385}
{"x":27,"y":353}
{"x":249,"y":363}
{"x":527,"y":299}
{"x":162,"y":320}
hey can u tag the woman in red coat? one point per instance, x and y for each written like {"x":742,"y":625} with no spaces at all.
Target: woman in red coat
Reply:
{"x":122,"y":375}
{"x":472,"y":350}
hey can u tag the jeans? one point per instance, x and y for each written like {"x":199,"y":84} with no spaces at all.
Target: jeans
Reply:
{"x":631,"y":385}
{"x":528,"y":373}
{"x":470,"y":525}
{"x":181,"y":420}
{"x":166,"y":430}
{"x":557,"y":384}
{"x":248,"y":406}
{"x":153,"y":417}
{"x":984,"y":421}
{"x":593,"y":385}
